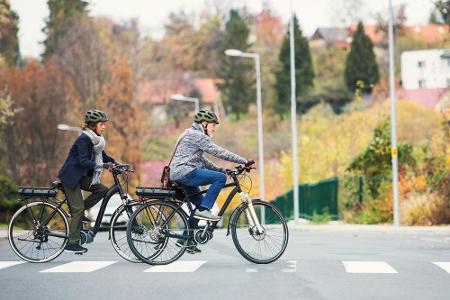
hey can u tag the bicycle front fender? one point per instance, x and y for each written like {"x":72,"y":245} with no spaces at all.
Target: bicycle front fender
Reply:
{"x":236,"y":209}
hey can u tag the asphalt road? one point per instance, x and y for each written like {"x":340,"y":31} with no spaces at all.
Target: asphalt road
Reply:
{"x":321,"y":262}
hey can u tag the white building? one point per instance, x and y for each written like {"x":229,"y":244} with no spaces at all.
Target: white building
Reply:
{"x":426,"y":69}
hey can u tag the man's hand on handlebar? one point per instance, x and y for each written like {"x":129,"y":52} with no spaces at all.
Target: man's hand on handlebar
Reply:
{"x":249,"y":162}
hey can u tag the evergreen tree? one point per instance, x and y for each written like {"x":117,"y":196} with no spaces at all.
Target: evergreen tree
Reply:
{"x":9,"y":44}
{"x":237,"y":84}
{"x":443,"y":7}
{"x":361,"y":68}
{"x":62,"y":12}
{"x":304,"y":73}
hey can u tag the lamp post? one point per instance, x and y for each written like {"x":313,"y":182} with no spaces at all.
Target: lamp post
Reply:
{"x":294,"y":120}
{"x":394,"y":151}
{"x":255,"y":56}
{"x":179,"y":97}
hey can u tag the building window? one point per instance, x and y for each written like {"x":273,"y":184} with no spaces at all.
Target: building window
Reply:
{"x":421,"y":64}
{"x":421,"y":84}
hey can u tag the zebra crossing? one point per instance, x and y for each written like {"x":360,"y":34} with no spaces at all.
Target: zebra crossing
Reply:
{"x":188,"y":266}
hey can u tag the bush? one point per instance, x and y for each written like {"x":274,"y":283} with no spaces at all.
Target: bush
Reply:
{"x":325,"y":217}
{"x":425,"y":209}
{"x":8,"y":198}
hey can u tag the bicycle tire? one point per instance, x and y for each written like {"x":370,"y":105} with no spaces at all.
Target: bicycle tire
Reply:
{"x":122,"y":247}
{"x":151,"y":216}
{"x":14,"y":236}
{"x":238,"y":220}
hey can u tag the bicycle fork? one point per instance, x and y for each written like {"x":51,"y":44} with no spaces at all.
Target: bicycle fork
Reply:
{"x":250,"y":212}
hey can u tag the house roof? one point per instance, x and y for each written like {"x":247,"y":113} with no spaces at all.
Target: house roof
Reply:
{"x":330,"y":34}
{"x":426,"y":97}
{"x":430,"y":33}
{"x":372,"y":31}
{"x":160,"y":91}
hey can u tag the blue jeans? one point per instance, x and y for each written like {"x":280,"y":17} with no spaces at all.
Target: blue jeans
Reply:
{"x":199,"y":177}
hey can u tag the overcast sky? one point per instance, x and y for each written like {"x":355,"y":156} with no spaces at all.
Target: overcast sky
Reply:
{"x":152,"y":14}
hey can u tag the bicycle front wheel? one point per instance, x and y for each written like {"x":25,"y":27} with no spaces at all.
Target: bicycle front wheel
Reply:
{"x":38,"y":232}
{"x":259,"y":246}
{"x":118,"y":231}
{"x":157,"y":232}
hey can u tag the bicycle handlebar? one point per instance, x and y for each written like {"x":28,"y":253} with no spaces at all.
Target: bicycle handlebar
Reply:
{"x":240,"y":169}
{"x":121,"y":168}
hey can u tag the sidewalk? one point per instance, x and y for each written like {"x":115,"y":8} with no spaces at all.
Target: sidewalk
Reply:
{"x":303,"y":225}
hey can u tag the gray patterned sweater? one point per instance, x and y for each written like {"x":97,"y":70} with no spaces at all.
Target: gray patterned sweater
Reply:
{"x":189,"y":154}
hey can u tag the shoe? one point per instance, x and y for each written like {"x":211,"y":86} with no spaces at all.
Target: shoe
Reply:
{"x":86,"y":219}
{"x":191,"y":246}
{"x":205,"y":215}
{"x":75,"y":247}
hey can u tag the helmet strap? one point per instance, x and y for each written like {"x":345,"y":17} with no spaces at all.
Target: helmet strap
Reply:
{"x":205,"y":128}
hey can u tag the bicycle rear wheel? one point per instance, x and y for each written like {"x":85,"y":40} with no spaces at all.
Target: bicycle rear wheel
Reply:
{"x":38,"y":232}
{"x":118,"y":231}
{"x":260,"y":247}
{"x":157,"y":232}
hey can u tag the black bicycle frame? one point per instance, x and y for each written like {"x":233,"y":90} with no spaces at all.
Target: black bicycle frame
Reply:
{"x":237,"y":189}
{"x":111,"y":191}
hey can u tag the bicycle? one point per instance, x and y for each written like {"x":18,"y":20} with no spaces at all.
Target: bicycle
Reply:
{"x":166,"y":229}
{"x":39,"y":230}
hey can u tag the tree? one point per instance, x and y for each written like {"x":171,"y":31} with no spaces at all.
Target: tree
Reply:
{"x":304,"y":73}
{"x":9,"y":44}
{"x":361,"y":68}
{"x":443,"y":7}
{"x":35,"y":148}
{"x":347,"y":12}
{"x":124,"y":132}
{"x":329,"y":82}
{"x":375,"y":161}
{"x":236,"y":74}
{"x":269,"y":31}
{"x":62,"y":13}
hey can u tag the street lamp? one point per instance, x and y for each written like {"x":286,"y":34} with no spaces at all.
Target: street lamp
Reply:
{"x":394,"y":151}
{"x":294,"y":120}
{"x":255,"y":56}
{"x":65,"y":127}
{"x":179,"y":97}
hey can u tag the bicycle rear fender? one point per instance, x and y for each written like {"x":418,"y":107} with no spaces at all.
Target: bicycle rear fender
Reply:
{"x":239,"y":207}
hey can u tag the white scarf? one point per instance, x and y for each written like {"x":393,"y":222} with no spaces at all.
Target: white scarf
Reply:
{"x":99,"y":146}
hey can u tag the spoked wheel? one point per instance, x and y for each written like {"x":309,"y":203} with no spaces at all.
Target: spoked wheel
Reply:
{"x":157,"y":232}
{"x":260,"y":245}
{"x":118,"y":231}
{"x":38,"y":232}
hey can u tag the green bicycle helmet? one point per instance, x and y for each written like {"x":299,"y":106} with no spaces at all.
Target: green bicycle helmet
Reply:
{"x":206,"y":115}
{"x":95,"y":116}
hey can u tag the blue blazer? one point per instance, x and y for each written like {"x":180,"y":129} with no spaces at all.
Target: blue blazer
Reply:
{"x":80,"y":161}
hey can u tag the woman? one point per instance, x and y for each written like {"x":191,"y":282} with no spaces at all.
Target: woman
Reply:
{"x":82,"y":170}
{"x":190,"y":168}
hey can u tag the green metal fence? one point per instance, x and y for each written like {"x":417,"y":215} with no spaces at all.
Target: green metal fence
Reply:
{"x":316,"y":198}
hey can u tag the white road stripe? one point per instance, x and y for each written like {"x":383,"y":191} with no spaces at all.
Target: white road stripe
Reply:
{"x":443,"y":265}
{"x":79,"y":267}
{"x":369,"y":267}
{"x":177,"y":267}
{"x":7,"y":264}
{"x":292,"y":267}
{"x":251,"y":270}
